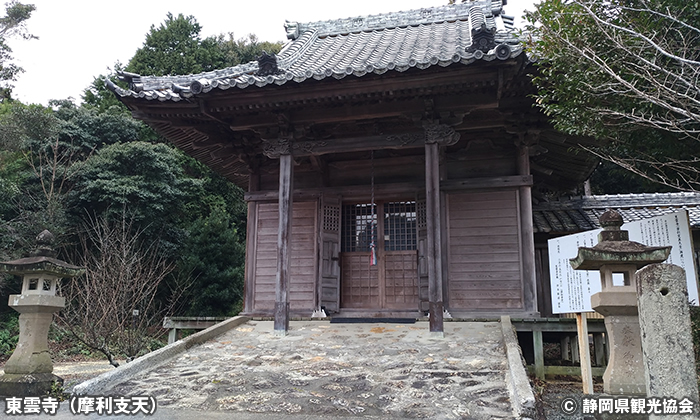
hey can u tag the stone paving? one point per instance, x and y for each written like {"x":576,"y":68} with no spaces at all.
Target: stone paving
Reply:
{"x":384,"y":370}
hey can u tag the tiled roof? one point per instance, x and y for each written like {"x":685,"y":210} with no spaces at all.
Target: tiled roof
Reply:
{"x":460,"y":33}
{"x":582,"y":213}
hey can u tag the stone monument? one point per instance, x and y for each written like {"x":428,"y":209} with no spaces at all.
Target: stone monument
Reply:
{"x":618,"y":259}
{"x":29,"y":371}
{"x":667,"y":338}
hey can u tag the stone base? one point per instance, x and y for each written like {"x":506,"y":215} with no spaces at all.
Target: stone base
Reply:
{"x":27,"y":385}
{"x":625,"y":372}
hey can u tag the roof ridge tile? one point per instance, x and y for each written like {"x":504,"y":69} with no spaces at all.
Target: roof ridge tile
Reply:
{"x":414,"y":17}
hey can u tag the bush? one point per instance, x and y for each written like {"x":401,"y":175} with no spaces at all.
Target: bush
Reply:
{"x":9,"y":335}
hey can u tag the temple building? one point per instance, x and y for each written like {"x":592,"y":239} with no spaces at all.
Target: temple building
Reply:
{"x":389,"y":161}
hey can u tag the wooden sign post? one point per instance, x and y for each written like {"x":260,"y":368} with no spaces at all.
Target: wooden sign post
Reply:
{"x":584,"y":352}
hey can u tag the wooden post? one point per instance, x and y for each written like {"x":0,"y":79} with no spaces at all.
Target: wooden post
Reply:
{"x":172,"y":336}
{"x":584,"y":353}
{"x":564,"y":347}
{"x":599,"y":348}
{"x":251,"y":243}
{"x":281,"y":325}
{"x":538,"y":349}
{"x":432,"y":191}
{"x":436,"y":135}
{"x":527,"y":233}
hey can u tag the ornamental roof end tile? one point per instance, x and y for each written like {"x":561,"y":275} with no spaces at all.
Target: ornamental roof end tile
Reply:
{"x":438,"y":36}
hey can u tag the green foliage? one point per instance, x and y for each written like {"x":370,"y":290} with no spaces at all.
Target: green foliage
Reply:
{"x":175,"y":47}
{"x":85,"y":129}
{"x":62,"y":164}
{"x":609,"y":178}
{"x":57,"y":391}
{"x":13,"y":24}
{"x":14,"y":21}
{"x":32,"y":175}
{"x":9,"y":334}
{"x":99,"y":97}
{"x":214,"y":255}
{"x":146,"y":178}
{"x":246,"y":49}
{"x":625,"y":72}
{"x":24,"y":126}
{"x":14,"y":172}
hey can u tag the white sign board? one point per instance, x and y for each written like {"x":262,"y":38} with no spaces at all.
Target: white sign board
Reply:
{"x":571,"y":290}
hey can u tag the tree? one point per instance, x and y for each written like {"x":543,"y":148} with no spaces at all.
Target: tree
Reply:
{"x":13,"y":24}
{"x":98,"y":97}
{"x":113,"y":307}
{"x":176,"y":47}
{"x":246,"y":49}
{"x":35,"y":172}
{"x":213,"y":255}
{"x":626,"y":72}
{"x":146,"y":178}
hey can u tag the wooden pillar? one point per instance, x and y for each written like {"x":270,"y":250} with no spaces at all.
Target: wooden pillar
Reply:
{"x":432,"y":200}
{"x":566,"y":348}
{"x":527,"y":233}
{"x":281,"y":325}
{"x":538,"y":348}
{"x":599,"y":348}
{"x":436,"y":135}
{"x":251,"y":243}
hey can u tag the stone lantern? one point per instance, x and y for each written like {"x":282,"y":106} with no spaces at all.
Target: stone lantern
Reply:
{"x":618,"y":259}
{"x":29,"y":371}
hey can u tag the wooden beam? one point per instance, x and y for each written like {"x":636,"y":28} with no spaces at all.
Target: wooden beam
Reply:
{"x":350,"y":192}
{"x":566,"y":370}
{"x":496,"y":182}
{"x":352,"y":144}
{"x":432,"y":191}
{"x":281,"y":324}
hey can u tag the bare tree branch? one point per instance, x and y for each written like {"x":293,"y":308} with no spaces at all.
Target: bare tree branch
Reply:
{"x":112,"y":309}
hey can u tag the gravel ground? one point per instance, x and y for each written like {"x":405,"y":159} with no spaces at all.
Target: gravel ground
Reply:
{"x":551,"y":393}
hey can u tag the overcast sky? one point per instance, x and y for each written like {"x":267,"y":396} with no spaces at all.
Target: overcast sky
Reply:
{"x":81,"y":39}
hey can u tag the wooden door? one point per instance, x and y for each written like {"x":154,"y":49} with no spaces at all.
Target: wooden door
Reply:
{"x":330,"y":254}
{"x":393,"y":282}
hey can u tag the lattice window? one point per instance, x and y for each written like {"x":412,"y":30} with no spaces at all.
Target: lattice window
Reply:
{"x":400,"y":226}
{"x":331,"y":218}
{"x":421,"y":215}
{"x":359,"y":221}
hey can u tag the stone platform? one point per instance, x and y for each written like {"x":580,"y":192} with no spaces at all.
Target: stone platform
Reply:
{"x":332,"y":370}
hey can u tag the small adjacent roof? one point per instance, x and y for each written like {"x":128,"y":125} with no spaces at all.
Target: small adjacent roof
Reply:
{"x":438,"y":36}
{"x":583,"y":213}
